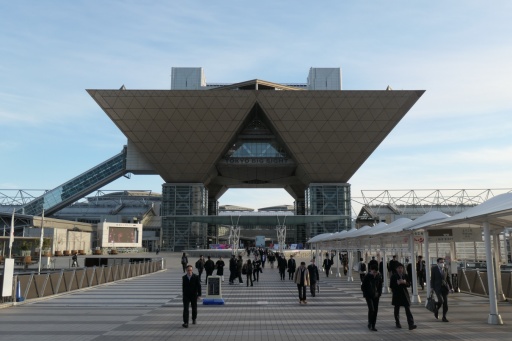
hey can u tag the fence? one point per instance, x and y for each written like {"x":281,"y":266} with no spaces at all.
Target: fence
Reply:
{"x":475,"y":282}
{"x":47,"y":284}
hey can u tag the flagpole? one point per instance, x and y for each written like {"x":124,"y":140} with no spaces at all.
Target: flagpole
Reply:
{"x":11,"y":236}
{"x":41,"y":243}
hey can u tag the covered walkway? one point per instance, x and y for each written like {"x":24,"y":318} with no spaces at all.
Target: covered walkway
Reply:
{"x":487,"y":223}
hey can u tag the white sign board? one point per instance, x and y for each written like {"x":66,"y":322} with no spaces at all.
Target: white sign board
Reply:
{"x":8,"y":277}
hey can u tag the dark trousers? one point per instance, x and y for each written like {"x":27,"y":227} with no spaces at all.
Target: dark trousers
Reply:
{"x":232,"y":276}
{"x":327,"y":270}
{"x":410,"y":319}
{"x":302,"y":292}
{"x":186,"y":302}
{"x":240,"y":276}
{"x":256,"y":275}
{"x":208,"y":273}
{"x":421,"y":279}
{"x":442,"y":300}
{"x":290,"y":275}
{"x":200,"y":272}
{"x":361,"y":276}
{"x":281,"y":272}
{"x":373,"y":309}
{"x":184,"y":265}
{"x":312,"y":288}
{"x":249,"y":278}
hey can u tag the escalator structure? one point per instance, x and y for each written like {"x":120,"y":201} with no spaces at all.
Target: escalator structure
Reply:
{"x":78,"y":187}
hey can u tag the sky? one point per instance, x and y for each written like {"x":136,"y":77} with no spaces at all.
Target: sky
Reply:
{"x":457,"y":136}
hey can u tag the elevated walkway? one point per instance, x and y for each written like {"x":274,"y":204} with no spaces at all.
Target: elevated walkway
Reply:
{"x":78,"y":187}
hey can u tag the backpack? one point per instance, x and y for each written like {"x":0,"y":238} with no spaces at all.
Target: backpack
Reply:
{"x":244,"y":269}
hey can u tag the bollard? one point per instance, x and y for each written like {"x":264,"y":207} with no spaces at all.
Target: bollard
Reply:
{"x":19,"y":298}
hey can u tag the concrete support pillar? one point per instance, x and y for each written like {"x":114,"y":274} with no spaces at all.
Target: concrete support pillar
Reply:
{"x":338,"y":262}
{"x":494,"y":316}
{"x":350,"y":260}
{"x":415,"y":297}
{"x":500,"y":296}
{"x":426,"y":256}
{"x":385,"y":285}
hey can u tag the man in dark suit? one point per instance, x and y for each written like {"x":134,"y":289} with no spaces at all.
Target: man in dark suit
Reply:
{"x":327,"y":264}
{"x":314,"y":277}
{"x":191,"y":290}
{"x":291,"y":267}
{"x":420,"y":271}
{"x":392,"y":265}
{"x":441,"y":284}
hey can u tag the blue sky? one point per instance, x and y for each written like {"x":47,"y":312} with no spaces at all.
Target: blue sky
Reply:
{"x":457,"y":136}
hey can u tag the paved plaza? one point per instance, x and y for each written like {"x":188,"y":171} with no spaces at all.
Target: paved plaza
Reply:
{"x":150,"y":308}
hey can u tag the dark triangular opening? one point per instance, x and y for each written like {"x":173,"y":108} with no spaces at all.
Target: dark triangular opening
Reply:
{"x":257,"y":139}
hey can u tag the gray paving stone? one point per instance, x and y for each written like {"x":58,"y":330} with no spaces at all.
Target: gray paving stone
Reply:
{"x":150,"y":308}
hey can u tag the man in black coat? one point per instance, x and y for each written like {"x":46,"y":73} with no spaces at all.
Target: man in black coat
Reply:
{"x":441,"y":284}
{"x":314,"y":277}
{"x":281,"y":264}
{"x":372,"y":290}
{"x":191,"y":291}
{"x":420,"y":271}
{"x":209,"y":266}
{"x":200,"y":266}
{"x":392,"y":265}
{"x":232,"y":269}
{"x":327,"y":264}
{"x":292,"y":266}
{"x":399,"y":284}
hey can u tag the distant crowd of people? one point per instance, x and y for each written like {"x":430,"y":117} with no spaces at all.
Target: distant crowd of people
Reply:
{"x":309,"y":276}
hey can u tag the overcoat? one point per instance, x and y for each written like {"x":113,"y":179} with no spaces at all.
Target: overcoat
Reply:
{"x":400,"y":293}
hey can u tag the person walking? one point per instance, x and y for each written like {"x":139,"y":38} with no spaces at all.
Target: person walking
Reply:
{"x":281,"y":264}
{"x":327,"y":264}
{"x":256,"y":269}
{"x":200,"y":266}
{"x":184,"y":261}
{"x":441,"y":284}
{"x":302,"y":280}
{"x":232,"y":269}
{"x":373,"y":261}
{"x":74,"y":262}
{"x":191,"y":292}
{"x":314,"y":277}
{"x":362,"y":269}
{"x":239,"y":265}
{"x":399,"y":283}
{"x":220,"y":268}
{"x":344,"y":261}
{"x":209,"y":266}
{"x":248,"y":269}
{"x":393,"y":263}
{"x":372,"y":290}
{"x":291,"y":267}
{"x":271,"y":259}
{"x":420,"y":271}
